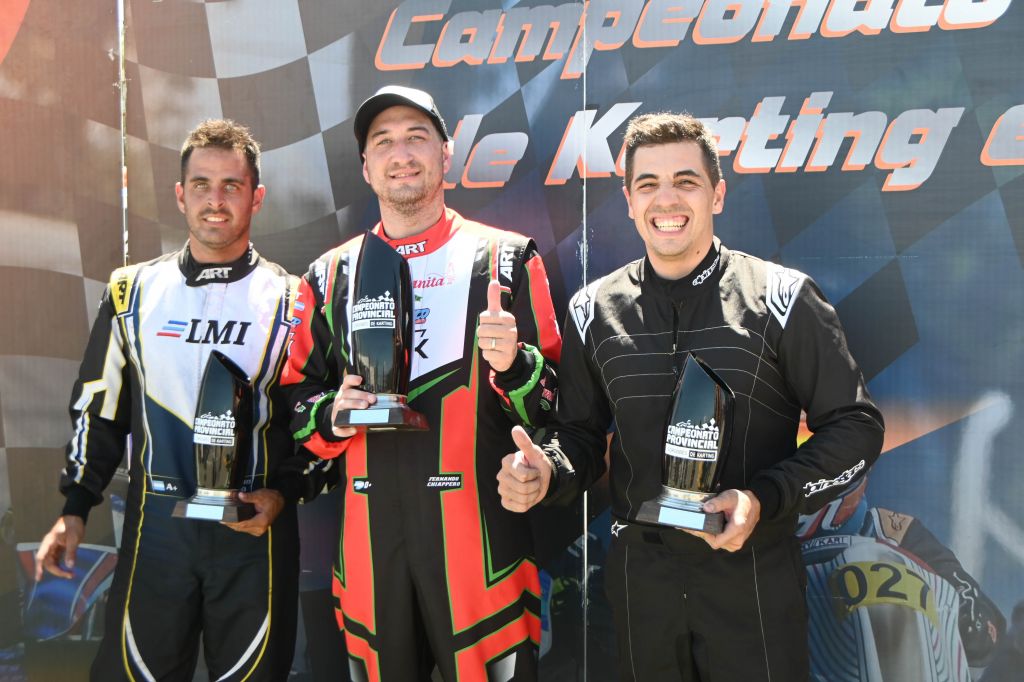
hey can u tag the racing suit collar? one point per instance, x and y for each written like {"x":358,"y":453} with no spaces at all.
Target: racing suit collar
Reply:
{"x":427,"y":241}
{"x":703,"y":278}
{"x":197,"y":274}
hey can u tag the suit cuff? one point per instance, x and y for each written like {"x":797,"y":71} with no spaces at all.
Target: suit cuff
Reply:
{"x":78,"y":502}
{"x":769,"y":495}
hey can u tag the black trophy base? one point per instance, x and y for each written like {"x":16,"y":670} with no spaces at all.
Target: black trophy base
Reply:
{"x":681,"y":509}
{"x":214,"y":505}
{"x":389,"y":413}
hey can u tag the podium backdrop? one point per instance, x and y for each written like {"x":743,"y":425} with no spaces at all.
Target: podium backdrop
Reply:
{"x":876,"y":146}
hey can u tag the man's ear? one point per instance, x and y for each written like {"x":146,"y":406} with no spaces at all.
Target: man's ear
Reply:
{"x":447,"y":149}
{"x":719,"y":202}
{"x":257,"y":198}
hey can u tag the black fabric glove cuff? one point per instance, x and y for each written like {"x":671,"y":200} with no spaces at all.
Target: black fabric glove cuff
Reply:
{"x":78,"y":502}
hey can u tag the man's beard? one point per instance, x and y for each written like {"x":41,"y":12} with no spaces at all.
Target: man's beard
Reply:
{"x":407,"y":200}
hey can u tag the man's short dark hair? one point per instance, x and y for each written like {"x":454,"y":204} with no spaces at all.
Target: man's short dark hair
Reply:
{"x":222,"y":133}
{"x":665,"y":128}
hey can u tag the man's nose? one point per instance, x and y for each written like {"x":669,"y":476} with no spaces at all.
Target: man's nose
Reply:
{"x":667,"y":195}
{"x":401,"y":152}
{"x":215,"y":197}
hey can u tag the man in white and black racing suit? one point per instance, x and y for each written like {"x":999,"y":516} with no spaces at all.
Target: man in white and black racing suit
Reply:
{"x":683,"y":608}
{"x":158,"y":323}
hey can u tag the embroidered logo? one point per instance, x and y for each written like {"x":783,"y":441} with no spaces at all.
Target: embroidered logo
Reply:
{"x":815,"y":487}
{"x":783,"y":285}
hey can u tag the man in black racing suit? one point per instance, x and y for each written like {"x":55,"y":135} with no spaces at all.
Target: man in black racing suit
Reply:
{"x":158,"y":323}
{"x":683,"y":608}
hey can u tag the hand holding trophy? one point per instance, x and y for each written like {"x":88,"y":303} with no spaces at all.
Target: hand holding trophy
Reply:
{"x":380,"y":339}
{"x":696,"y":440}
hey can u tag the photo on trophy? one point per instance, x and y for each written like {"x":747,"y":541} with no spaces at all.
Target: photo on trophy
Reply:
{"x":380,"y":337}
{"x":696,"y":440}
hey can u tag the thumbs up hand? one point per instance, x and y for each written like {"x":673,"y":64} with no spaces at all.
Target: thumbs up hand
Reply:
{"x":525,"y":474}
{"x":497,"y":333}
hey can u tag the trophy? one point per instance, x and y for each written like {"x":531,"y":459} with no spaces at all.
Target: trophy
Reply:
{"x":696,"y":440}
{"x":381,"y":336}
{"x":221,"y":437}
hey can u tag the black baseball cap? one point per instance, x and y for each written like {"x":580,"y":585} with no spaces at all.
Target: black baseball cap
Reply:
{"x":391,"y":96}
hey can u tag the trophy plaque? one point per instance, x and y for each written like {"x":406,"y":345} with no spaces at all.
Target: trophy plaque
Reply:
{"x":221,"y":438}
{"x":696,"y":440}
{"x":381,"y":336}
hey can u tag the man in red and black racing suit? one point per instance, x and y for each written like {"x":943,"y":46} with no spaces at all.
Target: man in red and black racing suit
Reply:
{"x":431,"y":570}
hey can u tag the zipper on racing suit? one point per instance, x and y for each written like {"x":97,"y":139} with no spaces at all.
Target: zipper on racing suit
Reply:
{"x":676,"y":308}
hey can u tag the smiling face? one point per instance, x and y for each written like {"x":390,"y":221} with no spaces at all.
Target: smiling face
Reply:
{"x":672,"y":200}
{"x":218,"y":199}
{"x":405,"y":162}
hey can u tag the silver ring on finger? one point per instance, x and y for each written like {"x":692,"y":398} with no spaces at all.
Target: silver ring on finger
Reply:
{"x":494,"y":343}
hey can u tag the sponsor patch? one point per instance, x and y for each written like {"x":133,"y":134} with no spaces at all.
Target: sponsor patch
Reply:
{"x":506,"y":256}
{"x":445,"y":481}
{"x":213,"y":273}
{"x":361,"y":485}
{"x":173,"y":329}
{"x":582,"y":307}
{"x":164,"y":486}
{"x":815,"y":487}
{"x":433,"y":280}
{"x":783,"y":285}
{"x":702,"y":277}
{"x":320,"y":273}
{"x":409,"y":249}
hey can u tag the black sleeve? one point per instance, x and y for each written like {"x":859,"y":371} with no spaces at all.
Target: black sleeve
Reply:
{"x":846,"y":425}
{"x":298,"y":474}
{"x":100,"y":410}
{"x":981,"y":623}
{"x":311,"y":376}
{"x":577,"y":440}
{"x":527,"y":389}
